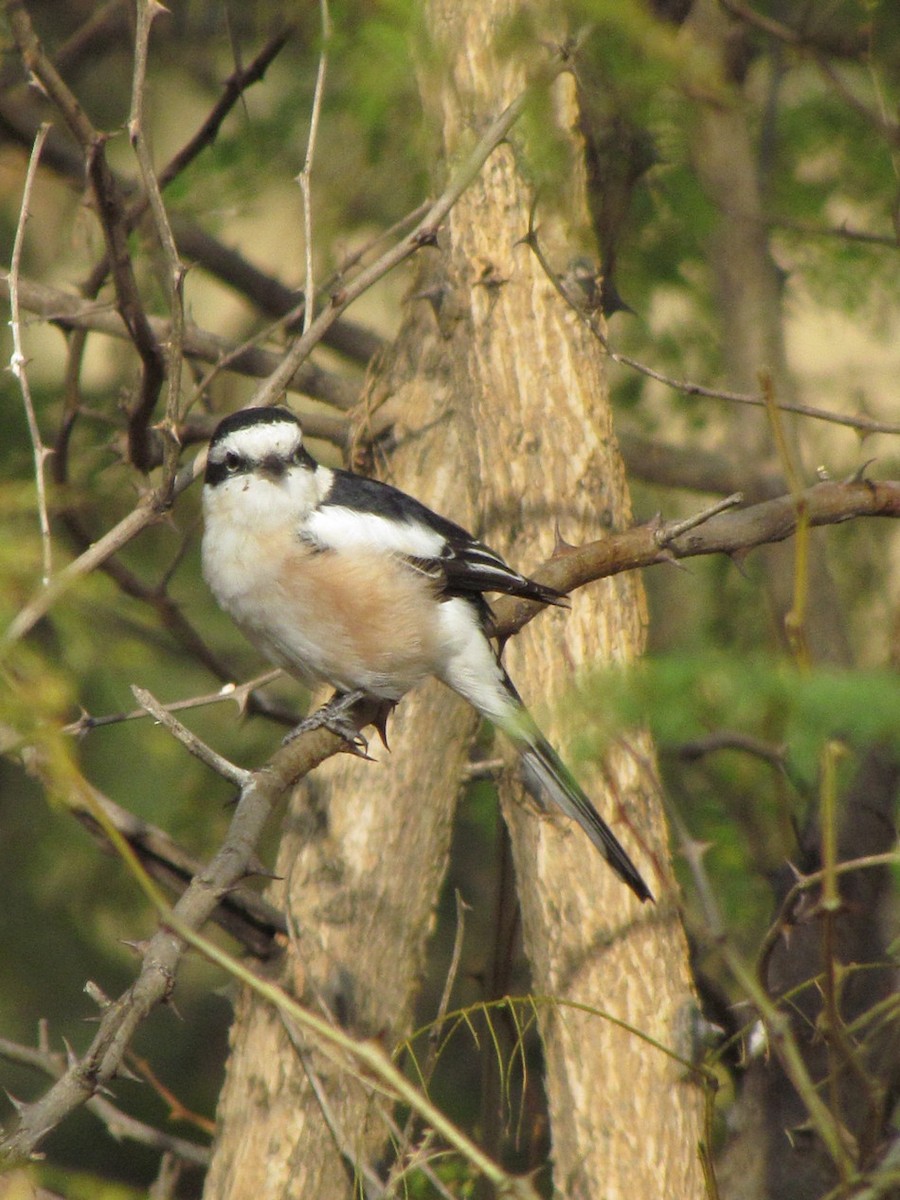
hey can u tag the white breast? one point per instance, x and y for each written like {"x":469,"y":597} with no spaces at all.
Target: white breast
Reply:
{"x":357,"y":618}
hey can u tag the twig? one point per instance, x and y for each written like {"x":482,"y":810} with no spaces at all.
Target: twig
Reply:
{"x":795,"y":619}
{"x":374,"y":1186}
{"x":241,"y":912}
{"x":887,"y":128}
{"x":791,"y":36}
{"x":305,"y":176}
{"x":235,"y":85}
{"x":110,"y":210}
{"x":727,"y":739}
{"x":177,"y":1110}
{"x":190,"y":741}
{"x":726,"y":533}
{"x":156,"y":978}
{"x":804,"y":884}
{"x":18,"y":362}
{"x":239,"y":693}
{"x":148,"y":511}
{"x":781,"y":1037}
{"x":426,"y":1071}
{"x":866,"y":425}
{"x":121,"y":1018}
{"x":72,"y":312}
{"x":147,"y":10}
{"x":674,"y":529}
{"x":119,"y":1124}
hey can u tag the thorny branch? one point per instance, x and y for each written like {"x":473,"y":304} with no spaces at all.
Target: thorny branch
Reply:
{"x":19,"y":363}
{"x":594,"y":322}
{"x":120,"y":1124}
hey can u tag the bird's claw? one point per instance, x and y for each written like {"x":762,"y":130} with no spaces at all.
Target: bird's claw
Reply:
{"x":334,"y":717}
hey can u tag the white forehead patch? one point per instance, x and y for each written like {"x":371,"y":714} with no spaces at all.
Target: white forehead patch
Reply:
{"x":256,"y":442}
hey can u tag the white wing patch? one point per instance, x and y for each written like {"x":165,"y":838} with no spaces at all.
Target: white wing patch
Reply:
{"x":337,"y":528}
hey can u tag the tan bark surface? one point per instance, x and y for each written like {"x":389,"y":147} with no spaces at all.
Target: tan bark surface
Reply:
{"x":504,"y":425}
{"x":532,"y":378}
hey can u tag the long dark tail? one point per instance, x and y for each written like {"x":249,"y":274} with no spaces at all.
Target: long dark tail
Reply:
{"x":550,"y":772}
{"x":477,"y":674}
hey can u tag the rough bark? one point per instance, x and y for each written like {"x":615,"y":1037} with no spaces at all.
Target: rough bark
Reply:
{"x":535,"y":392}
{"x":504,"y":424}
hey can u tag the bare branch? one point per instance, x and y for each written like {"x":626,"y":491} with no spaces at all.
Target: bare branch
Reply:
{"x":119,"y":1124}
{"x":423,"y":234}
{"x":235,"y":85}
{"x":190,"y":741}
{"x":305,"y":176}
{"x":18,"y":362}
{"x":73,"y":312}
{"x":110,"y":209}
{"x":592,"y":320}
{"x":726,"y":533}
{"x":146,"y":11}
{"x":122,"y":1017}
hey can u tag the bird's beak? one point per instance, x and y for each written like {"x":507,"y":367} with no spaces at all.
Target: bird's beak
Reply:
{"x":273,"y":468}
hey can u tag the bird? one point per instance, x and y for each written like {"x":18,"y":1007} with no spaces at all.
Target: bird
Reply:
{"x":343,"y":579}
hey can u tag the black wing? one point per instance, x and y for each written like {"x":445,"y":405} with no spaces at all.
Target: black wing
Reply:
{"x":466,"y":566}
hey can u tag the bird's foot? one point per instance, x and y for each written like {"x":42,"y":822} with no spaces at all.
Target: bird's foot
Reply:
{"x":335,"y":716}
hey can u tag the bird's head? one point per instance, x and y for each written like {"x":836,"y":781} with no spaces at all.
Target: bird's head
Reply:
{"x":261,"y":442}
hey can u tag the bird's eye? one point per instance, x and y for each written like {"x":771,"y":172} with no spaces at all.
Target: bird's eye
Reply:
{"x":233,"y":462}
{"x":298,"y":458}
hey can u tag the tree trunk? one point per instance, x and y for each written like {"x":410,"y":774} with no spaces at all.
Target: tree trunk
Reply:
{"x":505,"y":427}
{"x":529,"y":379}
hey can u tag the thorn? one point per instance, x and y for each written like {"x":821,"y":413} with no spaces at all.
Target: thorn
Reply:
{"x":169,"y":1002}
{"x":435,"y":295}
{"x":859,"y":475}
{"x":488,"y":277}
{"x":560,"y":545}
{"x":123,"y":1071}
{"x":82,"y":726}
{"x":738,"y":558}
{"x":71,"y":1056}
{"x":656,"y":523}
{"x":259,"y":870}
{"x":19,"y":1105}
{"x":694,"y":850}
{"x":358,"y":747}
{"x":666,"y":556}
{"x":137,"y":947}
